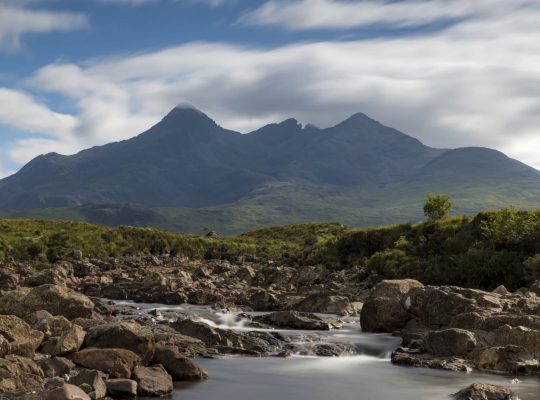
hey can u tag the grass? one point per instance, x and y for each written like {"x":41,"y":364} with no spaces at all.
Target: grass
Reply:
{"x":484,"y":251}
{"x":285,"y":203}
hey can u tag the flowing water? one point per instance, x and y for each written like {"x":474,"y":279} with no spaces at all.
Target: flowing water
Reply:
{"x":368,"y":375}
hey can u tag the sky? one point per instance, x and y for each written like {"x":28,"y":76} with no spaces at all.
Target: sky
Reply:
{"x":452,"y":73}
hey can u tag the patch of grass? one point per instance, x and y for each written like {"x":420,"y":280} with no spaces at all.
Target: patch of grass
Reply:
{"x":484,"y":251}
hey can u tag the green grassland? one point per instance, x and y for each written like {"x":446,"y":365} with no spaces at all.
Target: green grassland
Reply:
{"x":484,"y":250}
{"x":284,"y":203}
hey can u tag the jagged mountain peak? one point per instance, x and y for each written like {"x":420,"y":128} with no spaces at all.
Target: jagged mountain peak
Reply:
{"x":187,"y":160}
{"x":358,"y":119}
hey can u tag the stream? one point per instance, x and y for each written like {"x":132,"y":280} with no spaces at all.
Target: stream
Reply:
{"x":366,"y":375}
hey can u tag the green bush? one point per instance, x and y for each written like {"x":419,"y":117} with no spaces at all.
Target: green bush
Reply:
{"x":483,"y":251}
{"x":437,"y":206}
{"x":391,"y":263}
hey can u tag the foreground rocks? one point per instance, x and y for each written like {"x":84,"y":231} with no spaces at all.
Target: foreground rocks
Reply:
{"x":58,"y":339}
{"x":59,"y":345}
{"x":230,"y":342}
{"x":125,"y":335}
{"x":483,"y":391}
{"x":67,"y":392}
{"x":57,"y":300}
{"x":246,"y":285}
{"x":297,"y":320}
{"x":177,"y":365}
{"x":17,"y":337}
{"x":455,"y":328}
{"x":152,"y":381}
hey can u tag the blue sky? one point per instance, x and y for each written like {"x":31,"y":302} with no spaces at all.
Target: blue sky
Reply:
{"x":78,"y":73}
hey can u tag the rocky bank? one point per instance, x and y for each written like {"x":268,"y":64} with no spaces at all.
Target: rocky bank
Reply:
{"x":454,"y":328}
{"x":59,"y":338}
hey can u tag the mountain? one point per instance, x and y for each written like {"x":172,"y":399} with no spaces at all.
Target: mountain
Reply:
{"x":187,"y":172}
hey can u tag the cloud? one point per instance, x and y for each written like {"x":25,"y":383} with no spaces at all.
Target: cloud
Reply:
{"x":346,"y":14}
{"x":473,"y":84}
{"x":17,"y":20}
{"x":21,"y":111}
{"x":128,"y":2}
{"x":4,"y":171}
{"x":211,"y":3}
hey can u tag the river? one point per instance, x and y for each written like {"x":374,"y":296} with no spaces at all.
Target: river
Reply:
{"x":367,"y":375}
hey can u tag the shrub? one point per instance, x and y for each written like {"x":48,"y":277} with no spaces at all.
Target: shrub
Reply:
{"x":437,"y":206}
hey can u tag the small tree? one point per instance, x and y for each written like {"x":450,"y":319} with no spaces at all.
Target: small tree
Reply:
{"x":437,"y":206}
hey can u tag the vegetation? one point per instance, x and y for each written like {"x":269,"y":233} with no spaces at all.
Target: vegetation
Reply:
{"x":281,"y":204}
{"x":484,"y":251}
{"x":437,"y":206}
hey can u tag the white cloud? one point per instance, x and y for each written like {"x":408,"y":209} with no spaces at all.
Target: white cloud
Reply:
{"x":21,"y":111}
{"x":17,"y":20}
{"x":4,"y":172}
{"x":475,"y":83}
{"x":211,"y":3}
{"x":345,"y":14}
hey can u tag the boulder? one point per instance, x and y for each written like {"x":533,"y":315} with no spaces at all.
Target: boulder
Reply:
{"x":511,"y":359}
{"x":119,"y":363}
{"x":55,"y":366}
{"x":69,"y":342}
{"x":435,"y":306}
{"x":520,"y":336}
{"x":501,"y":289}
{"x":261,"y":300}
{"x":54,"y":383}
{"x":395,"y":289}
{"x":57,"y":300}
{"x":245,"y":273}
{"x":331,"y":350}
{"x":50,"y":325}
{"x":124,"y":335}
{"x":210,"y":336}
{"x":484,"y":391}
{"x":121,"y":388}
{"x":297,"y":320}
{"x":386,"y":310}
{"x":415,"y":358}
{"x":166,"y":335}
{"x":322,"y":303}
{"x":53,"y":276}
{"x":450,"y":342}
{"x":93,"y":380}
{"x":228,"y":341}
{"x":19,"y":373}
{"x":67,"y":392}
{"x":535,"y":288}
{"x":8,"y":280}
{"x":17,"y":337}
{"x":180,"y":367}
{"x":153,"y":381}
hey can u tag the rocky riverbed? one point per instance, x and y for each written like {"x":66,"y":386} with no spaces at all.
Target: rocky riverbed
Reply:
{"x":73,"y":330}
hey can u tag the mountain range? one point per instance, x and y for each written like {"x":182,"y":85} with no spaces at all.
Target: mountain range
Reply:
{"x":187,"y":172}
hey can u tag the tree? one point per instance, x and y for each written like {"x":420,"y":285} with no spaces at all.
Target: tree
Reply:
{"x":437,"y":206}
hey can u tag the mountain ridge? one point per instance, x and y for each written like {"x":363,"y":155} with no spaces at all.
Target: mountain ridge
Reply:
{"x":188,"y":161}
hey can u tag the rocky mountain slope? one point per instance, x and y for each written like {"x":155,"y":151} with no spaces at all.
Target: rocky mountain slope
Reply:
{"x":187,"y":172}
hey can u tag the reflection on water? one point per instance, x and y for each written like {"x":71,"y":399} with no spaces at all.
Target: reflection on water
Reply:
{"x":369,"y":375}
{"x":344,"y":378}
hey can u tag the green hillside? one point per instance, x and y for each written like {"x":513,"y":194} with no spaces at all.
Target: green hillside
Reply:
{"x":482,"y":251}
{"x":285,"y":203}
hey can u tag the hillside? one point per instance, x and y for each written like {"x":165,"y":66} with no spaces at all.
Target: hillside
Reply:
{"x":187,"y":172}
{"x":478,"y":251}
